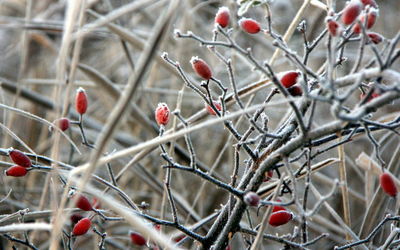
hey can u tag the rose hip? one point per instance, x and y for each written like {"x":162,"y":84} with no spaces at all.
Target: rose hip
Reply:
{"x":295,"y":90}
{"x":375,"y":37}
{"x":83,"y":203}
{"x":81,"y":227}
{"x":16,"y":171}
{"x":351,"y":12}
{"x":388,"y":185}
{"x":252,"y":199}
{"x":280,"y":218}
{"x":249,"y":25}
{"x":162,"y":114}
{"x":19,"y":158}
{"x":222,"y":17}
{"x":201,"y":68}
{"x":289,"y":78}
{"x":81,"y":101}
{"x":137,"y":239}
{"x":334,"y":28}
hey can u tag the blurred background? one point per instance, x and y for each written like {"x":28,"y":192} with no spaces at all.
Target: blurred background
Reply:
{"x":30,"y":39}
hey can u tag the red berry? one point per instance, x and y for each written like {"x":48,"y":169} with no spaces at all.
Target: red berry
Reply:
{"x":295,"y":90}
{"x":16,"y":171}
{"x":62,"y":123}
{"x":388,"y":185}
{"x":217,"y":105}
{"x":268,"y":175}
{"x":372,"y":15}
{"x":222,"y":17}
{"x":252,"y":199}
{"x":75,"y":218}
{"x":201,"y":68}
{"x":81,"y":101}
{"x":334,"y":28}
{"x":19,"y":158}
{"x":137,"y":239}
{"x":369,"y":2}
{"x":375,"y":37}
{"x":249,"y":25}
{"x":81,"y":227}
{"x":289,"y":78}
{"x":280,"y":218}
{"x":162,"y":114}
{"x":83,"y":203}
{"x":351,"y":12}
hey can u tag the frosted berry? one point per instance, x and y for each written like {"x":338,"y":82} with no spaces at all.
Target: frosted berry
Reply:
{"x":222,"y":17}
{"x":201,"y":68}
{"x":295,"y":90}
{"x":351,"y":12}
{"x":375,"y":37}
{"x":211,"y":111}
{"x":334,"y":28}
{"x":81,"y":101}
{"x":252,"y":199}
{"x":162,"y":114}
{"x":372,"y":15}
{"x":137,"y":239}
{"x":16,"y":171}
{"x":83,"y":203}
{"x":249,"y":25}
{"x":280,"y":218}
{"x":81,"y":227}
{"x":289,"y":78}
{"x":19,"y":158}
{"x":388,"y":185}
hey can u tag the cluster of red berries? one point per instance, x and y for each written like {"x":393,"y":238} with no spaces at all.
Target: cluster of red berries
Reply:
{"x":81,"y":105}
{"x":351,"y":13}
{"x":23,"y":163}
{"x":247,"y":24}
{"x":82,"y":224}
{"x":289,"y":80}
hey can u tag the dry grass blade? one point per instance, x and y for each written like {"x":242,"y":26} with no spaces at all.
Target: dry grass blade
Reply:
{"x":15,"y":137}
{"x":112,"y":16}
{"x":126,"y":35}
